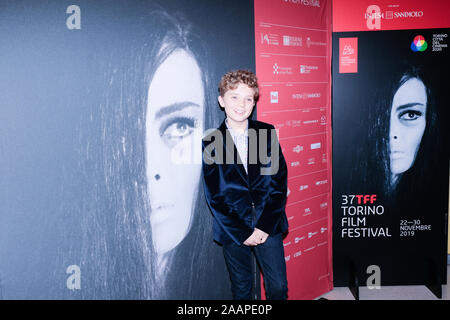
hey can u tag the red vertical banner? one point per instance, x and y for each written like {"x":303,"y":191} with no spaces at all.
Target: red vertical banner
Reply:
{"x":293,"y":64}
{"x":348,"y":55}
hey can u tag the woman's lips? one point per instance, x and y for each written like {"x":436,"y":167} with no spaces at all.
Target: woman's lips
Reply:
{"x":159,"y":213}
{"x":397,"y":154}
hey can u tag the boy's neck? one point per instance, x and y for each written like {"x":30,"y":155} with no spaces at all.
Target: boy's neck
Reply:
{"x":237,"y":126}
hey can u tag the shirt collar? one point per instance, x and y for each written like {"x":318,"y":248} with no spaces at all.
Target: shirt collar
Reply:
{"x":236,"y":133}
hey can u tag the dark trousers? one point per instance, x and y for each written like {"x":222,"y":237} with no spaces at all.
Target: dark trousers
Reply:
{"x":270,"y":258}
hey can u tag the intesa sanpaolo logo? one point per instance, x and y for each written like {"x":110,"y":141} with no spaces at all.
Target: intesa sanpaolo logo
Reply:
{"x":419,"y":44}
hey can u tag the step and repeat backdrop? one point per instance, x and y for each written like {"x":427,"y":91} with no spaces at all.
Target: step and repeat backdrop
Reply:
{"x":293,"y":63}
{"x":390,"y":142}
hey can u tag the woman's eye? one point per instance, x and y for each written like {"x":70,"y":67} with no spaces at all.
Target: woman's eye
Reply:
{"x":177,"y":129}
{"x":410,"y":115}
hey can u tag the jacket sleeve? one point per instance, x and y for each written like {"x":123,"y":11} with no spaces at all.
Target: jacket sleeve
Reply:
{"x":275,"y":206}
{"x":214,"y":186}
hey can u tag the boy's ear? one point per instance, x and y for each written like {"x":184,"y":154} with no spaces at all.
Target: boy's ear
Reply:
{"x":221,"y":102}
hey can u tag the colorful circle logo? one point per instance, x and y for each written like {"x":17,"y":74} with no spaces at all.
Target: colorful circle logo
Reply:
{"x":419,"y":44}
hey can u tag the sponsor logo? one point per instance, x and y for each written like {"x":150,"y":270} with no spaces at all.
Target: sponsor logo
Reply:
{"x":311,"y":3}
{"x":281,"y":70}
{"x":274,"y":97}
{"x":306,"y":96}
{"x":297,"y":239}
{"x":348,"y":50}
{"x":297,"y":149}
{"x":408,"y":14}
{"x":373,"y":16}
{"x":269,"y":39}
{"x":292,"y":41}
{"x":295,"y":164}
{"x":303,"y":187}
{"x":294,"y":123}
{"x":439,"y":41}
{"x":275,"y":69}
{"x":315,"y":145}
{"x":311,"y":234}
{"x":310,"y":43}
{"x":348,"y":55}
{"x":419,"y":44}
{"x":304,"y":69}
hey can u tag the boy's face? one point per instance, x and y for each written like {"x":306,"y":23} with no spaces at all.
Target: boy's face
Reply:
{"x":238,"y":103}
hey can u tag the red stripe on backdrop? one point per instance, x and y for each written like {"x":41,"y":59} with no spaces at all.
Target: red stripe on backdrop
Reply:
{"x":293,"y":64}
{"x":373,"y":15}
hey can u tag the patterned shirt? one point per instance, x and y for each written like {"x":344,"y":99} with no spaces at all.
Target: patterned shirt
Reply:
{"x":240,"y":139}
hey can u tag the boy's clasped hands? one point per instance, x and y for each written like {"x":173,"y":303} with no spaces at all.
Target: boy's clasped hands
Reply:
{"x":257,"y":237}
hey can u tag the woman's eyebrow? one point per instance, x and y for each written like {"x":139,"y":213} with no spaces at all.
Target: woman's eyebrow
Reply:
{"x":174,"y":107}
{"x":409,"y":105}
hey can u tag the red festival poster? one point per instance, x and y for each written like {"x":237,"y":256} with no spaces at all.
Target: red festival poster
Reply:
{"x":293,"y":64}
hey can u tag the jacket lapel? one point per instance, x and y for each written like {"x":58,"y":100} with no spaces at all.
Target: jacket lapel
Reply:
{"x":253,"y":152}
{"x":231,"y":150}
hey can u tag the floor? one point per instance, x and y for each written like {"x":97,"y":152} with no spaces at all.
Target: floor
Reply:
{"x":390,"y":293}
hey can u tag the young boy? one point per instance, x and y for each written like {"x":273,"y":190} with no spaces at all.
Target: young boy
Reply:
{"x":245,"y":180}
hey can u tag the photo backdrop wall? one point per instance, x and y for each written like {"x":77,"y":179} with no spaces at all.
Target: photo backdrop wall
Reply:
{"x":390,"y":142}
{"x":98,"y":101}
{"x":293,"y":63}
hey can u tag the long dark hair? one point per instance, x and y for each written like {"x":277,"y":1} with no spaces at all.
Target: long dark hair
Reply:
{"x":192,"y":261}
{"x":116,"y":253}
{"x":372,"y":173}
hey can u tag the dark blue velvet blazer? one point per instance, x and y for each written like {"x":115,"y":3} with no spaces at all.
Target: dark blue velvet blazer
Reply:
{"x":239,"y":201}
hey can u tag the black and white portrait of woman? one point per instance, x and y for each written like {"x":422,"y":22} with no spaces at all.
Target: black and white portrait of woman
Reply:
{"x":131,"y":213}
{"x":158,"y":103}
{"x":390,"y":140}
{"x":402,"y":130}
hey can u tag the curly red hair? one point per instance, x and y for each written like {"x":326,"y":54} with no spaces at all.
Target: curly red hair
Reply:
{"x":232,"y":79}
